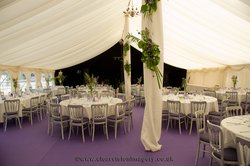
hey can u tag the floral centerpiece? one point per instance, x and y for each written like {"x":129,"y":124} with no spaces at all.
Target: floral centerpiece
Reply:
{"x":184,"y":83}
{"x":60,"y":78}
{"x":91,"y":82}
{"x":47,"y":81}
{"x":15,"y":83}
{"x":150,"y":53}
{"x":234,"y":80}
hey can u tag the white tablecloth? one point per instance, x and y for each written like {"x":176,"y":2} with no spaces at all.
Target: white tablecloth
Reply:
{"x":212,"y":104}
{"x":87,"y":104}
{"x":237,"y":126}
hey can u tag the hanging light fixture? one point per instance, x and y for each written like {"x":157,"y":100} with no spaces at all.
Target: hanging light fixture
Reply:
{"x":131,"y":11}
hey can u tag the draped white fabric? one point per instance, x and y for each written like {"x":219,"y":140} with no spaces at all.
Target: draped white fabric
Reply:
{"x":127,"y":60}
{"x":151,"y":126}
{"x":203,"y":34}
{"x":54,"y":34}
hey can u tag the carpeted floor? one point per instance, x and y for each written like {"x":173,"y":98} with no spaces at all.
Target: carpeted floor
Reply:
{"x":32,"y":146}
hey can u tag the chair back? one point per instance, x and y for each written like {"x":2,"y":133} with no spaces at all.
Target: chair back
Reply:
{"x":34,"y":101}
{"x":61,"y":91}
{"x":73,"y":93}
{"x":42,"y":99}
{"x":223,"y":105}
{"x":247,"y":103}
{"x":209,"y":93}
{"x":233,"y":111}
{"x":200,"y":120}
{"x":120,"y":109}
{"x":121,"y":96}
{"x":82,"y":94}
{"x":232,"y":97}
{"x":76,"y":112}
{"x":65,"y":97}
{"x":99,"y":112}
{"x":174,"y":107}
{"x":216,"y":138}
{"x":12,"y":106}
{"x":198,"y":105}
{"x":55,"y":110}
{"x":241,"y":144}
{"x":106,"y":93}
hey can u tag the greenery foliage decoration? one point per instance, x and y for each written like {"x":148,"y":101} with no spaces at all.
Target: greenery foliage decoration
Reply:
{"x":15,"y":84}
{"x":184,"y":83}
{"x":127,"y":67}
{"x":149,"y":7}
{"x":150,"y":53}
{"x":126,"y":48}
{"x":234,"y":80}
{"x":60,"y":78}
{"x":90,"y":81}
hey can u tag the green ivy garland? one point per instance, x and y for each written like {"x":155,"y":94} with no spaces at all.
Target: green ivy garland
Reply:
{"x":149,"y":7}
{"x":150,"y":53}
{"x":127,"y":67}
{"x":125,"y":48}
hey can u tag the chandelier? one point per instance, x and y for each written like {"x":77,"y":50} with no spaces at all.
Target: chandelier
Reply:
{"x":131,"y":11}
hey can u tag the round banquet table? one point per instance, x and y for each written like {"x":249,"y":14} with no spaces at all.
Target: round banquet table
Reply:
{"x":212,"y":104}
{"x":237,"y":126}
{"x":87,"y":105}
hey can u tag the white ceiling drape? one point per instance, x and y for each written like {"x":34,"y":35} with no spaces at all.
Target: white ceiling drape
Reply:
{"x":54,"y":34}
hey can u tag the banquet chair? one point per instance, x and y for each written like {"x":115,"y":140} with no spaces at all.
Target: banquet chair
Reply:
{"x":106,"y":93}
{"x":58,"y":118}
{"x":121,"y":96}
{"x":73,"y":93}
{"x":119,"y":116}
{"x":233,"y":111}
{"x":202,"y":134}
{"x":165,"y":113}
{"x":209,"y":93}
{"x":82,"y":94}
{"x":174,"y":108}
{"x":232,"y":98}
{"x":65,"y":97}
{"x":221,"y":114}
{"x":246,"y":104}
{"x":129,"y":113}
{"x":220,"y":153}
{"x":42,"y":105}
{"x":99,"y":117}
{"x":77,"y":118}
{"x":61,"y":90}
{"x":241,"y":145}
{"x":34,"y":108}
{"x":195,"y":106}
{"x":11,"y":111}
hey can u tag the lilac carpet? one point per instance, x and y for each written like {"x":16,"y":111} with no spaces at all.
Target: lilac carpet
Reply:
{"x":32,"y":146}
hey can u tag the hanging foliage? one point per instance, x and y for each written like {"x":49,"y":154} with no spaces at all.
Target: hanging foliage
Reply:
{"x":150,"y":53}
{"x":149,"y":7}
{"x":127,"y":67}
{"x":126,"y":47}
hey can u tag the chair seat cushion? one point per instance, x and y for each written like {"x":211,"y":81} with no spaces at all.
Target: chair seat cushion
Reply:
{"x":165,"y":112}
{"x":84,"y":119}
{"x":177,"y":115}
{"x":204,"y":137}
{"x":10,"y":113}
{"x":112,"y":117}
{"x":215,"y":113}
{"x":230,"y":154}
{"x":64,"y":118}
{"x":191,"y":115}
